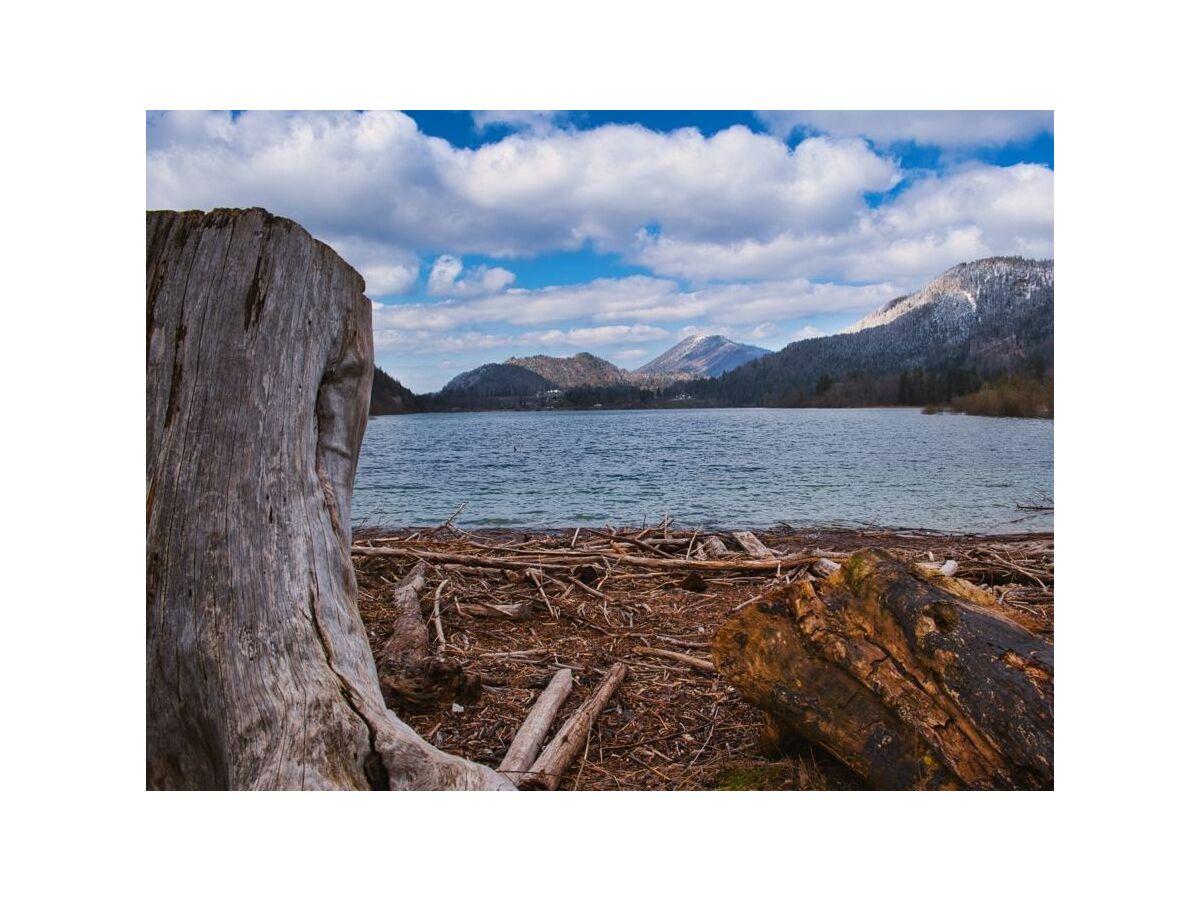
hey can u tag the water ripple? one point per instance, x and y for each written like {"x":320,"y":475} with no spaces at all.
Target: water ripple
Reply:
{"x":727,"y":467}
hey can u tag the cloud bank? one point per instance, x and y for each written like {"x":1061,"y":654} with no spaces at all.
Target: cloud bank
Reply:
{"x":735,"y":205}
{"x":738,"y":232}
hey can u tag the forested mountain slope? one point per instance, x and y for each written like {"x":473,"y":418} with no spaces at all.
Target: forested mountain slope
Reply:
{"x":979,"y":319}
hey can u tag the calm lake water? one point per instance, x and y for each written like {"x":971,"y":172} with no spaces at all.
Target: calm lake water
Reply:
{"x":716,"y":467}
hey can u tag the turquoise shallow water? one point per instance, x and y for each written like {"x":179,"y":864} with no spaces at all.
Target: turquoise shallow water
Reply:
{"x":716,"y":467}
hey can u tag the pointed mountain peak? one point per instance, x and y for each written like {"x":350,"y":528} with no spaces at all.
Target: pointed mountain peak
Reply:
{"x":702,"y":354}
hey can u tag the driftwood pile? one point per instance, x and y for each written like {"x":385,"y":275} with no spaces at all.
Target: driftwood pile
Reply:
{"x":582,"y":659}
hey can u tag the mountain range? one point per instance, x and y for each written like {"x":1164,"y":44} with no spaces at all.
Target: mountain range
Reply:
{"x":522,"y":376}
{"x":976,"y":321}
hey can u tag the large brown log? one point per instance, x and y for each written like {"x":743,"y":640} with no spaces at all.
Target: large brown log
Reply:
{"x":906,"y":683}
{"x":258,"y":375}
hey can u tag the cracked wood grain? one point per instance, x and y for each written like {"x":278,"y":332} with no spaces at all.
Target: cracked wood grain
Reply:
{"x":909,"y":684}
{"x":258,"y":376}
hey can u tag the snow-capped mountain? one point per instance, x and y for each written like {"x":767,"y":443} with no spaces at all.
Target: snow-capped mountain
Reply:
{"x":988,"y":316}
{"x":957,"y":294}
{"x":709,"y":355}
{"x":978,"y":319}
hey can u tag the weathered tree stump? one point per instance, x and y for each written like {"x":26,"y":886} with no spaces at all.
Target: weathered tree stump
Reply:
{"x":258,"y":374}
{"x":908,"y":684}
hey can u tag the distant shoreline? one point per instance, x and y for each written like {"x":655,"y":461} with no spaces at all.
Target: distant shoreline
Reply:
{"x":932,"y":410}
{"x":838,"y":536}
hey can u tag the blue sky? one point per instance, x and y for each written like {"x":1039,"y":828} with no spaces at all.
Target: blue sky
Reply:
{"x":484,"y":235}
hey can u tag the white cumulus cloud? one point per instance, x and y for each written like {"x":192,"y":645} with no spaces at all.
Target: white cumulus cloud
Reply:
{"x":446,"y":278}
{"x":385,"y":269}
{"x":941,"y":220}
{"x":636,"y":306}
{"x":376,"y":177}
{"x":733,"y":205}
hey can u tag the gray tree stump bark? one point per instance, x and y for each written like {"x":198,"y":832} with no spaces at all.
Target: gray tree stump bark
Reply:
{"x":258,"y":377}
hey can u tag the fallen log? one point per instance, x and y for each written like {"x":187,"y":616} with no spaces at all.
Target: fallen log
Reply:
{"x":410,"y":639}
{"x":572,"y":562}
{"x":549,"y":768}
{"x":412,"y":677}
{"x":752,"y":545}
{"x":906,"y":683}
{"x":517,"y":565}
{"x":714,"y":548}
{"x":695,"y":662}
{"x":529,"y":737}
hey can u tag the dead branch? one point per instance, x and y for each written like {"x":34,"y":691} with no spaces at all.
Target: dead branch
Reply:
{"x":552,"y":764}
{"x":695,"y":662}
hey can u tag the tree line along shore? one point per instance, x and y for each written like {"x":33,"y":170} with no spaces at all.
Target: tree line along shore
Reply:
{"x":977,"y":339}
{"x":1026,"y":394}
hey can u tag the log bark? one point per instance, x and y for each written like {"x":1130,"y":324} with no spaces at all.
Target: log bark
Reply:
{"x":961,"y":588}
{"x":549,"y":768}
{"x":529,"y":737}
{"x":258,"y":374}
{"x":908,"y":684}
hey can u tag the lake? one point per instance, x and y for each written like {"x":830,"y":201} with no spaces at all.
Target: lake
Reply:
{"x":706,"y":467}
